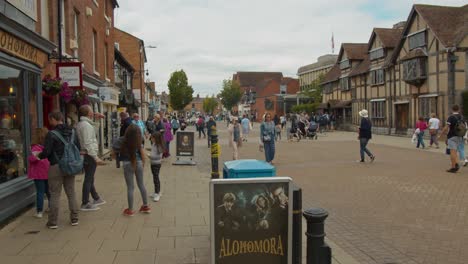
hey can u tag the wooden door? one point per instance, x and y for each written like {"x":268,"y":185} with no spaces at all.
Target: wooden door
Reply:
{"x":402,"y":117}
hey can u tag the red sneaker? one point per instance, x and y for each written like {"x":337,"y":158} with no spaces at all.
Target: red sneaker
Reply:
{"x":128,"y":212}
{"x":145,"y":209}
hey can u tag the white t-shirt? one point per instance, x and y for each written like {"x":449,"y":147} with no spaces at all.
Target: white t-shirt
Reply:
{"x":434,"y":123}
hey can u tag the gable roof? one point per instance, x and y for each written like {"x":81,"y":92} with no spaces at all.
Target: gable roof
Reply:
{"x":333,"y":74}
{"x":390,"y":37}
{"x":354,"y":51}
{"x":449,"y":24}
{"x":361,"y":68}
{"x":253,"y":78}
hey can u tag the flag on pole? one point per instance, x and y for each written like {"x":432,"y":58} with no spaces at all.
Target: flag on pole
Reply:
{"x":333,"y":44}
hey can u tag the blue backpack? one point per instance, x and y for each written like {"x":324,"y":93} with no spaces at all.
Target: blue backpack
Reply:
{"x":71,"y":162}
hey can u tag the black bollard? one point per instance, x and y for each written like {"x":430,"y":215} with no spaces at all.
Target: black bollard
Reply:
{"x":297,"y":225}
{"x":318,"y":252}
{"x":214,"y":154}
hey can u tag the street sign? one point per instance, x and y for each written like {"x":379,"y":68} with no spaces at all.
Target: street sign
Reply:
{"x":251,"y":220}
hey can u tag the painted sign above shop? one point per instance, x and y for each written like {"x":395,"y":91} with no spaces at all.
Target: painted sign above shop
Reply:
{"x":71,"y":73}
{"x":19,"y":48}
{"x":28,"y":7}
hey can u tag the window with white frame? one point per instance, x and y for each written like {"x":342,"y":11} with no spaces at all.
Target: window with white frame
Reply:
{"x":427,"y":105}
{"x":377,"y":77}
{"x":76,"y":34}
{"x":63,"y":28}
{"x":378,"y":109}
{"x":45,"y":29}
{"x":105,"y":60}
{"x":417,"y":40}
{"x":95,"y":50}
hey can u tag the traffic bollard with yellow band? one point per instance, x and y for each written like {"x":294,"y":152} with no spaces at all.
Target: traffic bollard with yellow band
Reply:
{"x":215,"y":152}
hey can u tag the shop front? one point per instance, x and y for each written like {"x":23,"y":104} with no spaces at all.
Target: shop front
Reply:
{"x":22,"y":57}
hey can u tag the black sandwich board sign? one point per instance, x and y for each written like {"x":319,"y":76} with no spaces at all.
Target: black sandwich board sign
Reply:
{"x":251,"y":220}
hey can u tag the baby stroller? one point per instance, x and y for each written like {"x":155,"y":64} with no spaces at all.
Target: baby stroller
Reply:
{"x":312,"y":130}
{"x":294,"y":132}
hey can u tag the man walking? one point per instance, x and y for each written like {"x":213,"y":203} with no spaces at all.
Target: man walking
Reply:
{"x":89,"y":146}
{"x":54,"y":149}
{"x":209,"y":129}
{"x":453,"y":129}
{"x":125,"y":121}
{"x":136,"y":120}
{"x":365,"y":134}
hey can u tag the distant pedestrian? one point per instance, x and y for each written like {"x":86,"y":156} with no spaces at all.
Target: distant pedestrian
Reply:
{"x":133,"y":156}
{"x":210,"y":127}
{"x":267,"y":137}
{"x":246,"y":127}
{"x":365,"y":134}
{"x":455,"y":133}
{"x":158,"y":147}
{"x":54,"y":149}
{"x":282,"y":121}
{"x":137,"y":121}
{"x":125,"y":121}
{"x":201,"y":127}
{"x":278,"y":132}
{"x":168,"y":137}
{"x":235,"y":138}
{"x":175,"y":124}
{"x":422,"y":126}
{"x":38,"y":170}
{"x":434,"y":126}
{"x":276,"y":119}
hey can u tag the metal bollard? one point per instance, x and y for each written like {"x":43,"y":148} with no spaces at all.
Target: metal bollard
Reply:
{"x":297,"y":226}
{"x":214,"y":154}
{"x":318,"y":252}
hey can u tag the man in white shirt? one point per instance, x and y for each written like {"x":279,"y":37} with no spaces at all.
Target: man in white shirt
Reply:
{"x":434,"y":125}
{"x":89,"y":146}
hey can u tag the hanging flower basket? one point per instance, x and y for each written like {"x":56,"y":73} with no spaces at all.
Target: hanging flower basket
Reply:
{"x":52,"y":86}
{"x":77,"y":96}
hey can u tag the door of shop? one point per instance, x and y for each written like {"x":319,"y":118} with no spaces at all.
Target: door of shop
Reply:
{"x":402,"y":118}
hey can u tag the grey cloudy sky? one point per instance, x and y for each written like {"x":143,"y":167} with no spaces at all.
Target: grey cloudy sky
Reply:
{"x":212,"y":39}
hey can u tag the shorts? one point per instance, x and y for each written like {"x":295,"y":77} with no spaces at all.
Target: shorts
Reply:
{"x":454,"y":142}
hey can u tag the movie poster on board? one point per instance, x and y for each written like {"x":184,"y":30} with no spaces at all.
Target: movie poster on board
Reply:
{"x":251,"y":220}
{"x":185,"y":142}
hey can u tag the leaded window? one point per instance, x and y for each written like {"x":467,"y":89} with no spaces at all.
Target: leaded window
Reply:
{"x":377,"y":77}
{"x":345,"y":64}
{"x":345,"y":84}
{"x":417,"y":40}
{"x":414,"y":70}
{"x":377,"y":54}
{"x":427,"y":105}
{"x":378,"y":109}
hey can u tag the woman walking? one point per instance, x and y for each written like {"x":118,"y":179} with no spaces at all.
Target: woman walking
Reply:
{"x":235,"y":135}
{"x":133,"y":156}
{"x":168,"y":137}
{"x":434,"y":125}
{"x":246,"y":127}
{"x":422,"y":126}
{"x":158,"y":147}
{"x":267,"y":137}
{"x":365,"y":134}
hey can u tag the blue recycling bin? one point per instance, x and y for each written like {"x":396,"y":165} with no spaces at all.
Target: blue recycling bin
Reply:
{"x":247,"y":168}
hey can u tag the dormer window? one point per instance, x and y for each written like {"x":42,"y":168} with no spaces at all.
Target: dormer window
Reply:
{"x":376,"y":54}
{"x":344,"y":64}
{"x":417,"y":40}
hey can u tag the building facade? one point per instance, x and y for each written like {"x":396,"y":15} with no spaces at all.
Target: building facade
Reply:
{"x":309,"y":73}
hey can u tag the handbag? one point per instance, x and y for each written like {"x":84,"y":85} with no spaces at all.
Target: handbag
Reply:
{"x":266,"y":138}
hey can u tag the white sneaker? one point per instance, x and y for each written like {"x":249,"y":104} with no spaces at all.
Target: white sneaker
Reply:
{"x":156,"y":197}
{"x":152,"y":195}
{"x":38,"y":215}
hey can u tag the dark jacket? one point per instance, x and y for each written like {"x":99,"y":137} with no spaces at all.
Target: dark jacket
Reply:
{"x":365,"y":130}
{"x":53,"y":146}
{"x":210,"y":125}
{"x":124,"y":125}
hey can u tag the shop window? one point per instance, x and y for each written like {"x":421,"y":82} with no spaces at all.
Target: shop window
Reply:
{"x":378,"y":109}
{"x":427,"y":106}
{"x":12,"y":158}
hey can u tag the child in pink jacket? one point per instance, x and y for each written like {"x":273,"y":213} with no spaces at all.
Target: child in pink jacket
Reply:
{"x":38,"y":170}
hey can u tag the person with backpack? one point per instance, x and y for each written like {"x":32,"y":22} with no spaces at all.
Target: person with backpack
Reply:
{"x":61,"y":148}
{"x":175,"y":125}
{"x":201,"y":127}
{"x":86,"y":132}
{"x":455,"y":130}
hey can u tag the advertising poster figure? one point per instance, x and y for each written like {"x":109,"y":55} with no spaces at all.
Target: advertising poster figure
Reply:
{"x":185,"y":144}
{"x":251,"y":220}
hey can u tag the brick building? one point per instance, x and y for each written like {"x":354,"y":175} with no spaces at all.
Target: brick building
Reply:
{"x":196,"y":106}
{"x":133,"y":49}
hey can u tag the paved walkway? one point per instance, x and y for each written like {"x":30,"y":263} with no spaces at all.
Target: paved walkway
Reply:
{"x":176,"y":231}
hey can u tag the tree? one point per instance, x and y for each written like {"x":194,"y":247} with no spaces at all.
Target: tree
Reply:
{"x":180,"y":93}
{"x":231,"y":94}
{"x":209,"y":104}
{"x":314,"y":90}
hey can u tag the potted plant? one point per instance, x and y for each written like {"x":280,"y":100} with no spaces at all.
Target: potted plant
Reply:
{"x":52,"y":86}
{"x":78,"y":96}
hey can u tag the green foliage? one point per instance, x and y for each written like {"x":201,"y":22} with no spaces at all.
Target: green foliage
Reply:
{"x":465,"y":103}
{"x":314,"y":91}
{"x":180,"y":93}
{"x":308,"y":108}
{"x":231,"y":94}
{"x":209,"y":104}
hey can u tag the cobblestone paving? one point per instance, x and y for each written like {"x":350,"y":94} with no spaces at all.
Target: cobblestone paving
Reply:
{"x":404,"y":208}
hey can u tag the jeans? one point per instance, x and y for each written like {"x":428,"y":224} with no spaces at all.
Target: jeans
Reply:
{"x":89,"y":166}
{"x":56,"y":179}
{"x":278,"y":136}
{"x":200,"y":131}
{"x":421,"y":140}
{"x":363,"y":144}
{"x":434,"y":139}
{"x":269,"y":148}
{"x":461,"y":151}
{"x":42,"y":187}
{"x":155,"y":168}
{"x":130,"y":173}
